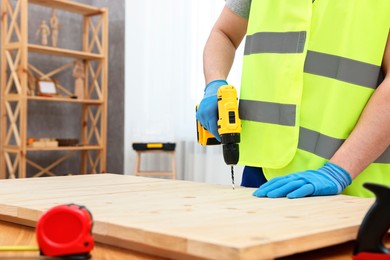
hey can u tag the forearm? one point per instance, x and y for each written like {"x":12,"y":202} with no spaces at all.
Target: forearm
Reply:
{"x":218,"y":56}
{"x":370,"y":137}
{"x":224,"y":39}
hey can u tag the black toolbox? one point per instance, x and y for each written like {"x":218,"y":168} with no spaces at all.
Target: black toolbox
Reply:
{"x":154,"y":146}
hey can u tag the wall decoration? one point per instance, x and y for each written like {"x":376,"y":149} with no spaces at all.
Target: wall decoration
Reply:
{"x":44,"y":31}
{"x":47,"y":88}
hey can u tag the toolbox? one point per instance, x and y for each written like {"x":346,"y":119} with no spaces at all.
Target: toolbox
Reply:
{"x":154,"y":146}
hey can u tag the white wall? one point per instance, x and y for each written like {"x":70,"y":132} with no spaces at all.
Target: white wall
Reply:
{"x":164,"y":82}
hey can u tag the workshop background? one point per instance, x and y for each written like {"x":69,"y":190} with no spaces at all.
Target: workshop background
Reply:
{"x":155,"y":80}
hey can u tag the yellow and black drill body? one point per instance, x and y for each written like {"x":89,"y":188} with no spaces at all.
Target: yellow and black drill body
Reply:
{"x":229,"y":126}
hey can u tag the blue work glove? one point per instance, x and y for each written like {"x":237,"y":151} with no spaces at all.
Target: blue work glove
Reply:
{"x":207,"y":113}
{"x":328,"y":180}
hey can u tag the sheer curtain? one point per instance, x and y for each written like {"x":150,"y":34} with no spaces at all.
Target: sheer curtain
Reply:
{"x":164,"y":82}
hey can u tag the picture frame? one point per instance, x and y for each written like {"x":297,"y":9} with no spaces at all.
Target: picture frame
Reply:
{"x":46,"y":87}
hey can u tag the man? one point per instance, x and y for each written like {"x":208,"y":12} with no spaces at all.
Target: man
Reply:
{"x":314,"y":107}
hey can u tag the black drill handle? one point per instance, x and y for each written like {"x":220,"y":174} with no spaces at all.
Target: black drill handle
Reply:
{"x":376,"y":223}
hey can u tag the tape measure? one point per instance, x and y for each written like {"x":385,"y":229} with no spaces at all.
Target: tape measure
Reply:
{"x":64,"y":230}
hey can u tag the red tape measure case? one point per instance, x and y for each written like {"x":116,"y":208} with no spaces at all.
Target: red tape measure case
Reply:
{"x":65,"y":230}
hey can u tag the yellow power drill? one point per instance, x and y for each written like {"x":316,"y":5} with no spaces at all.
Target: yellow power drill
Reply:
{"x":229,"y":127}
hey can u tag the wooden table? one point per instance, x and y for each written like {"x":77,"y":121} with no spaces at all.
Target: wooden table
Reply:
{"x":184,"y":220}
{"x":14,"y":234}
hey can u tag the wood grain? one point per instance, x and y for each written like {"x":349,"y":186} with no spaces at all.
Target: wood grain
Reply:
{"x":185,"y":219}
{"x":69,"y":6}
{"x":16,"y":235}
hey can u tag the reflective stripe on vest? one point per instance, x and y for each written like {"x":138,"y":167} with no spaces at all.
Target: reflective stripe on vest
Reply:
{"x":307,"y":76}
{"x":274,"y":42}
{"x":325,"y":146}
{"x":322,"y":64}
{"x":310,"y":141}
{"x":339,"y":68}
{"x":267,"y":112}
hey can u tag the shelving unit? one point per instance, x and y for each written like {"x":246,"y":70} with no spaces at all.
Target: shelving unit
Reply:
{"x":15,"y":96}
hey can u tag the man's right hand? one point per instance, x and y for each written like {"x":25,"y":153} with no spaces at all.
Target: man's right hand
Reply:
{"x":207,"y":113}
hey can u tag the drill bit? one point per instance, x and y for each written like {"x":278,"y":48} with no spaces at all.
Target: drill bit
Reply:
{"x":232,"y":170}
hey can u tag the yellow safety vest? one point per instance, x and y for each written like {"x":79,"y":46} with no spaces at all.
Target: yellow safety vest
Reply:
{"x":308,"y":71}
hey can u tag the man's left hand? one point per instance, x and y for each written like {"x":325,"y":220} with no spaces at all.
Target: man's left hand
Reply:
{"x":328,"y":180}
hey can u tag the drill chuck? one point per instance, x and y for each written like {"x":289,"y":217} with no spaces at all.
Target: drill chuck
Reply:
{"x":230,"y":148}
{"x":230,"y":153}
{"x":232,"y":138}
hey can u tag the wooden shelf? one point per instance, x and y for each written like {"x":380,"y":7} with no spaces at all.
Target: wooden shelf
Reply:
{"x":14,"y":97}
{"x":66,"y":148}
{"x":65,"y":99}
{"x":20,"y":74}
{"x":63,"y":52}
{"x":59,"y":148}
{"x":69,"y":6}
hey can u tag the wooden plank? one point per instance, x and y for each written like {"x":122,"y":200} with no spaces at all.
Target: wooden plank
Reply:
{"x":64,"y":52}
{"x":3,"y":84}
{"x":14,"y":26}
{"x":59,"y":148}
{"x":186,"y":219}
{"x":23,"y":66}
{"x":66,"y":148}
{"x":69,"y":6}
{"x":65,"y":99}
{"x":104,"y":89}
